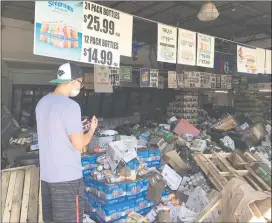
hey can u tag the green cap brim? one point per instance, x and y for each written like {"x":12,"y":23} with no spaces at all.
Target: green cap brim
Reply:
{"x":59,"y":81}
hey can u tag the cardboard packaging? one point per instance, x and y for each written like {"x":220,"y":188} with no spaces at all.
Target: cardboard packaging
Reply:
{"x":173,"y":159}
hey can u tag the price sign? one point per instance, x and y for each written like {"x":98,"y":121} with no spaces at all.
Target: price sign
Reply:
{"x":104,"y":35}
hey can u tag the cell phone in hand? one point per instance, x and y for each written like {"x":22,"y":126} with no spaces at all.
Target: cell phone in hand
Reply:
{"x":86,"y":123}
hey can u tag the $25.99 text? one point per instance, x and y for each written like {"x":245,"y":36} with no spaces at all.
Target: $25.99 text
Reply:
{"x":97,"y":56}
{"x":94,"y":23}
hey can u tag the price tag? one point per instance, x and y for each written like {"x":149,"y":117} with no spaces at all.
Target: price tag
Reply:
{"x":154,"y":78}
{"x":115,"y":77}
{"x":104,"y":34}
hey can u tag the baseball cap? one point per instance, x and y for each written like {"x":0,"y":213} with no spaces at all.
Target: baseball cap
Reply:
{"x":67,"y":72}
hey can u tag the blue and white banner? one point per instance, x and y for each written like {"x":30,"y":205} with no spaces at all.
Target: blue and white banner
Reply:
{"x":224,"y":63}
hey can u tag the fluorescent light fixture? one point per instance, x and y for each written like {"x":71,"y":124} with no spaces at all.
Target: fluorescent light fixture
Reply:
{"x":225,"y":92}
{"x":265,"y":90}
{"x":208,"y":12}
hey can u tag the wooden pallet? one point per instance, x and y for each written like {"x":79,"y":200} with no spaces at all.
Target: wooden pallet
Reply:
{"x":221,"y":167}
{"x":21,"y":195}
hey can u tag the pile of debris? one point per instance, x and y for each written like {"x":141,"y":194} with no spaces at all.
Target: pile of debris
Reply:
{"x":151,"y":171}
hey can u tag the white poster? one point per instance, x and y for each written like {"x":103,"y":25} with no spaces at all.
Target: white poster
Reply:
{"x":205,"y":51}
{"x":205,"y":80}
{"x":246,"y":60}
{"x":223,"y":81}
{"x":260,"y":60}
{"x":229,"y":82}
{"x":213,"y":81}
{"x":102,"y":82}
{"x":107,"y":34}
{"x":154,"y":78}
{"x":161,"y":82}
{"x":195,"y":79}
{"x":172,"y":79}
{"x":186,"y":47}
{"x":167,"y":43}
{"x":89,"y":81}
{"x":268,"y":61}
{"x":180,"y":80}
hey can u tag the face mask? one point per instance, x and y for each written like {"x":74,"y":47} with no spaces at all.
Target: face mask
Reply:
{"x":74,"y":93}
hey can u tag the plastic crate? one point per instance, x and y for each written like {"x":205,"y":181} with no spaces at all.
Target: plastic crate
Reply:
{"x":9,"y":126}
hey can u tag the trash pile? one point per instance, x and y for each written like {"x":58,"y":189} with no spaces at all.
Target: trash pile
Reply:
{"x":146,"y":172}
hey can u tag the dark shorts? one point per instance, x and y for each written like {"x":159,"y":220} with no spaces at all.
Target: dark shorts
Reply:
{"x":63,"y":202}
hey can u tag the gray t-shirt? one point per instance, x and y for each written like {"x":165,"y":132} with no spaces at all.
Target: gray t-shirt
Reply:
{"x":57,"y":118}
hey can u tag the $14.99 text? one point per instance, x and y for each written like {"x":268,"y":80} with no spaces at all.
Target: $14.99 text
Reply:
{"x":96,"y":56}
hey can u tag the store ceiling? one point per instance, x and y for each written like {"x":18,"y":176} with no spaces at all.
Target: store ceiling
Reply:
{"x":243,"y":21}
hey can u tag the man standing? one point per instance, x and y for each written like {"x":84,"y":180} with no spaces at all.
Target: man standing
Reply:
{"x":61,"y":138}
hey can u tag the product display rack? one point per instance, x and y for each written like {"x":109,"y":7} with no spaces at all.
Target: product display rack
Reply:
{"x":185,"y":106}
{"x":248,"y":102}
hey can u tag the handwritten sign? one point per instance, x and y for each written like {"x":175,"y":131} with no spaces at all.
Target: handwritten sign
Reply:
{"x":205,"y":50}
{"x":186,"y":47}
{"x":167,"y":43}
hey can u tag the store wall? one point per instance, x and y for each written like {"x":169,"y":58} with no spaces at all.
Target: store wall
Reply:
{"x":17,"y":44}
{"x":6,"y":85}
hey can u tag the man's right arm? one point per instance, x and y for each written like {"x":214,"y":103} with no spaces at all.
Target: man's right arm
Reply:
{"x":74,"y":128}
{"x":81,"y":140}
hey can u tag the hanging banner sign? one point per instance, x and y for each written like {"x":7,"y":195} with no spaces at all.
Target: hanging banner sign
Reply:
{"x":102,"y":82}
{"x":154,"y":78}
{"x":167,"y":43}
{"x":82,"y":31}
{"x":172,"y":79}
{"x":186,"y":47}
{"x":268,"y":61}
{"x":144,"y":77}
{"x":58,"y":29}
{"x":246,"y":60}
{"x":115,"y":77}
{"x":205,"y":50}
{"x":260,"y":60}
{"x":107,"y":35}
{"x":223,"y":63}
{"x":125,"y":73}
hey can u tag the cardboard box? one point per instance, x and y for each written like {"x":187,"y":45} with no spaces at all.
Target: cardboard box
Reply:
{"x":173,"y":159}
